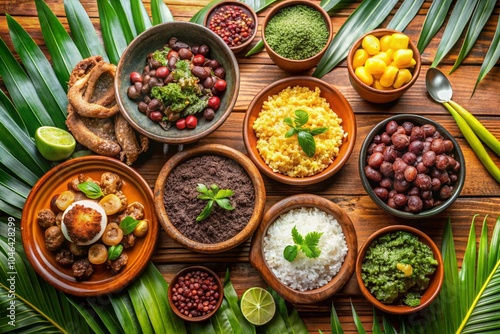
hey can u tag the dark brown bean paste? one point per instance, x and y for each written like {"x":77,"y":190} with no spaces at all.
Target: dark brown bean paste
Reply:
{"x":183,"y":206}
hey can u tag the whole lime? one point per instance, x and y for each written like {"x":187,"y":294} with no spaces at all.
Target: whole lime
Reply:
{"x":53,"y":143}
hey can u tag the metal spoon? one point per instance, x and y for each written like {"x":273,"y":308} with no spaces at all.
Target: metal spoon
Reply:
{"x":439,"y":88}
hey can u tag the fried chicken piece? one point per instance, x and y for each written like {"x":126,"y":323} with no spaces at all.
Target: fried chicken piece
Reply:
{"x":83,"y":223}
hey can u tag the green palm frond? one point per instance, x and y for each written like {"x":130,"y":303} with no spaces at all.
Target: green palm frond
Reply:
{"x":113,"y":34}
{"x":404,"y":15}
{"x":140,"y":15}
{"x":357,"y":321}
{"x":433,"y":21}
{"x":160,"y":12}
{"x":335,"y":325}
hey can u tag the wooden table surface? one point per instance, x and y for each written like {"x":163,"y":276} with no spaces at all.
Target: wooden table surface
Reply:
{"x":480,"y":195}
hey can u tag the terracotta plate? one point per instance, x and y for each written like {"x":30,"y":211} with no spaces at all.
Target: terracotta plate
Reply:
{"x":54,"y":182}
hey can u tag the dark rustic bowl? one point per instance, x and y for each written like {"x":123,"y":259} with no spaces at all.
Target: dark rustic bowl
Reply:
{"x":210,"y":149}
{"x":220,"y":290}
{"x":291,"y":65}
{"x":376,"y":95}
{"x":246,"y":8}
{"x":416,"y":119}
{"x":134,"y":58}
{"x":54,"y":182}
{"x":338,"y":281}
{"x":338,"y":103}
{"x":436,"y":280}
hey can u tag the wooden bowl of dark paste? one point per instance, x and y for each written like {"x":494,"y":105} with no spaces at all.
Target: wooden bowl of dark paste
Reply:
{"x":177,"y":201}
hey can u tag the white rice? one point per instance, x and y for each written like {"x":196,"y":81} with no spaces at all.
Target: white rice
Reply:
{"x":305,"y":273}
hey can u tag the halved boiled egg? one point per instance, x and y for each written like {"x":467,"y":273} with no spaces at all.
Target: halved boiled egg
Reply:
{"x":84,"y":222}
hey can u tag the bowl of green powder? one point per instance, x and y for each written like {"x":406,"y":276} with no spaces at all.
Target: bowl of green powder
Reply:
{"x":296,"y":34}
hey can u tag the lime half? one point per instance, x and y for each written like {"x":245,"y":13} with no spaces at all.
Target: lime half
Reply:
{"x":257,"y":306}
{"x":53,"y":143}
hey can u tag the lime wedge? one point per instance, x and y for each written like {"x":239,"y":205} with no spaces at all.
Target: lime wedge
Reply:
{"x":53,"y":143}
{"x":257,"y":306}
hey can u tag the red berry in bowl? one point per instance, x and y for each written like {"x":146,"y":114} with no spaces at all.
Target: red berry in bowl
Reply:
{"x":199,"y":60}
{"x":180,"y":124}
{"x":191,"y":122}
{"x":214,"y":102}
{"x":156,"y":116}
{"x":162,"y":72}
{"x":135,"y":77}
{"x":220,"y":85}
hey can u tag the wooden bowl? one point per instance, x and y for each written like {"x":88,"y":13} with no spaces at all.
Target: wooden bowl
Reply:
{"x":210,"y":149}
{"x":134,"y":59}
{"x":247,"y":10}
{"x":291,"y":65}
{"x":54,"y":182}
{"x":220,"y":290}
{"x":436,"y":280}
{"x":257,"y":258}
{"x":338,"y":103}
{"x":377,"y":95}
{"x":367,"y":184}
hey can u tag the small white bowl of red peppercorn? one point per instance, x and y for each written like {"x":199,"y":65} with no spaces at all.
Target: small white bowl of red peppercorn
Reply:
{"x":235,"y":22}
{"x":195,"y":293}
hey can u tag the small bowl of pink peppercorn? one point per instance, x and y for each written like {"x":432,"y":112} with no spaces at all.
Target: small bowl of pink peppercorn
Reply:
{"x":195,"y":293}
{"x":233,"y":21}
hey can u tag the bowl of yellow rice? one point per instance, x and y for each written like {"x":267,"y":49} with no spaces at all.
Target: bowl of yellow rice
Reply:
{"x":285,"y":117}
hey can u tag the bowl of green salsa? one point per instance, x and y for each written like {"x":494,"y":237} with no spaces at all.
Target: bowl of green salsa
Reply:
{"x":399,"y":269}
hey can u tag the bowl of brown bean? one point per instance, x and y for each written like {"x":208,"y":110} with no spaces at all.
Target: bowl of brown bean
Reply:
{"x":235,"y":22}
{"x":411,"y":166}
{"x":177,"y":82}
{"x":195,"y":293}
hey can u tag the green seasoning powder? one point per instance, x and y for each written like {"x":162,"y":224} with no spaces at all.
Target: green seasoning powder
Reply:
{"x":297,"y":32}
{"x":397,"y":268}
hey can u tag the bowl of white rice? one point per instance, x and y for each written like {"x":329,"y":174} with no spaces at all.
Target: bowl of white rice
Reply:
{"x":289,"y":227}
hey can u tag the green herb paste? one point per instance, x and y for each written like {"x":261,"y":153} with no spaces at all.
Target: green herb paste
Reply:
{"x":397,"y":268}
{"x":297,"y":32}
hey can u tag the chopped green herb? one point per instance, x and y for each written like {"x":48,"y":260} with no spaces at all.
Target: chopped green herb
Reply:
{"x":304,"y":135}
{"x":308,"y":245}
{"x":213,"y":195}
{"x":91,"y":189}
{"x":115,"y":251}
{"x":128,"y":224}
{"x":161,"y":56}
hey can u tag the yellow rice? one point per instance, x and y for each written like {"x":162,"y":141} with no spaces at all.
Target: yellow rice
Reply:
{"x":284,"y":155}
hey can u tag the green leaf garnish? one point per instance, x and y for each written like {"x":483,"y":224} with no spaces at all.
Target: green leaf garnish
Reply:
{"x":91,"y":189}
{"x":213,"y":195}
{"x":305,"y":136}
{"x":114,"y":251}
{"x":308,"y":245}
{"x":128,"y":224}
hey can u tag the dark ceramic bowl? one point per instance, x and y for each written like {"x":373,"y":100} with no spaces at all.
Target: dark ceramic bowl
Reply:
{"x":377,"y":95}
{"x":257,"y":258}
{"x":219,"y":290}
{"x":338,"y":103}
{"x":418,"y":120}
{"x":210,"y":149}
{"x":54,"y":182}
{"x":134,"y":58}
{"x":436,"y":279}
{"x":291,"y":65}
{"x":247,"y":10}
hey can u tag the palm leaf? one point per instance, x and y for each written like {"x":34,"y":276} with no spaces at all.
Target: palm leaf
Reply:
{"x":367,"y":16}
{"x":50,"y":92}
{"x":141,"y":312}
{"x":9,"y":162}
{"x":481,"y":15}
{"x":404,"y":15}
{"x":329,"y":5}
{"x":141,"y":17}
{"x":276,"y":324}
{"x":482,"y":257}
{"x":335,"y":325}
{"x":494,"y":254}
{"x":82,"y":30}
{"x":388,"y":327}
{"x":433,"y":21}
{"x":160,"y":12}
{"x":224,"y":320}
{"x":292,"y":320}
{"x":62,"y":49}
{"x":357,"y":321}
{"x":112,"y":31}
{"x":491,"y":56}
{"x":14,"y":185}
{"x":22,"y":92}
{"x":456,"y":24}
{"x":10,"y":210}
{"x":106,"y":315}
{"x":6,"y":103}
{"x":126,"y":22}
{"x":91,"y":319}
{"x":232,"y":299}
{"x":124,"y":311}
{"x":376,"y":326}
{"x":467,"y":272}
{"x":259,"y":5}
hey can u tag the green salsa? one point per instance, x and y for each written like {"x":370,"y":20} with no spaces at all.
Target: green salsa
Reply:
{"x":397,"y":268}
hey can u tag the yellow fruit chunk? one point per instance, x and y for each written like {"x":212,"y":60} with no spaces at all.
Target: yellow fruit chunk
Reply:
{"x":375,"y":65}
{"x":111,"y":204}
{"x":385,"y":42}
{"x":363,"y":75}
{"x":371,"y":44}
{"x":389,"y":76}
{"x":384,"y":56}
{"x":376,"y":84}
{"x":359,"y":58}
{"x":410,"y":65}
{"x":407,"y":269}
{"x":403,"y":57}
{"x":399,"y":41}
{"x":403,"y":77}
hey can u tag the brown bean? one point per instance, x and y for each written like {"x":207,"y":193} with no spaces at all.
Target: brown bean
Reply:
{"x":185,"y":54}
{"x":200,"y":72}
{"x":373,"y":174}
{"x":400,"y":141}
